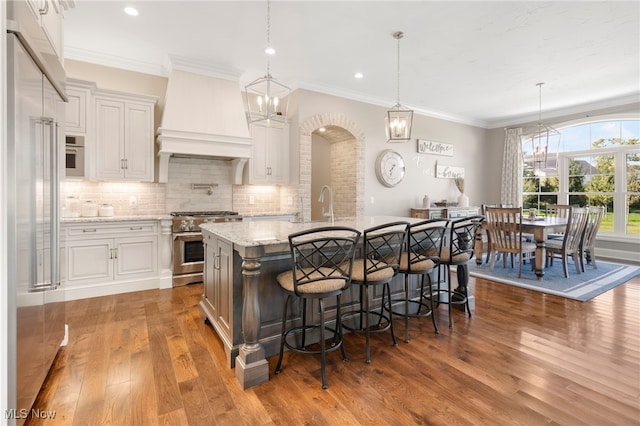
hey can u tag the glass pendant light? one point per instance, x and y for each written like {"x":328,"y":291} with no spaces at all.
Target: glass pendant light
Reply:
{"x":399,"y":119}
{"x":545,"y":144}
{"x":267,"y":99}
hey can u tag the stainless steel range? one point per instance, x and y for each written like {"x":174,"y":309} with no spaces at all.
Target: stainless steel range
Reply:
{"x":188,"y":251}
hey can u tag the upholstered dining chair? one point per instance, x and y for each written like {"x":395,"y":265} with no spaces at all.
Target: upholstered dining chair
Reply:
{"x":420,"y":258}
{"x":458,"y":251}
{"x":322,"y":264}
{"x":570,"y":243}
{"x":504,"y":226}
{"x":379,"y":262}
{"x":588,"y":243}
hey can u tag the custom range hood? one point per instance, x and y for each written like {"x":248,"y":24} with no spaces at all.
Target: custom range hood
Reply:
{"x":203,"y":117}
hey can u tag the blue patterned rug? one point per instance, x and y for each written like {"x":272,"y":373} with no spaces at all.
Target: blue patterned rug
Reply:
{"x":583,"y":287}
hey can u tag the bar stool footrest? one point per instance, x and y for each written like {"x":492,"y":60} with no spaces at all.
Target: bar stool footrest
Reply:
{"x":374,"y":326}
{"x":335,"y":338}
{"x":418,"y":314}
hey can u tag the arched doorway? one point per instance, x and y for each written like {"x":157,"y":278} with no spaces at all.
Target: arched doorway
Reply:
{"x":345,"y":158}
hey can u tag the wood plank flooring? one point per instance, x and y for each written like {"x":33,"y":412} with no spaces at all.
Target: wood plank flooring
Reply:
{"x":524,"y":358}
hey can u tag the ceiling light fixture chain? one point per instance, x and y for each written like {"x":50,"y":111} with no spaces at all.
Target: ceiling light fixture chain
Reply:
{"x":398,"y":35}
{"x":398,"y":120}
{"x":267,"y":99}
{"x":269,"y":50}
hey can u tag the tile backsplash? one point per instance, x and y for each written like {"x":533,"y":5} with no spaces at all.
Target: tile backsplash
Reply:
{"x":178,"y":194}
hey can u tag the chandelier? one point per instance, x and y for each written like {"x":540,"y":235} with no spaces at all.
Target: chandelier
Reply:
{"x":545,"y":143}
{"x":267,"y":99}
{"x":398,"y":120}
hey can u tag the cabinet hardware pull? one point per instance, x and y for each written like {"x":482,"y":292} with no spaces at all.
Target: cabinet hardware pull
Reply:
{"x":89,"y":230}
{"x":216,"y":261}
{"x":135,"y":228}
{"x":44,"y":10}
{"x":115,"y":253}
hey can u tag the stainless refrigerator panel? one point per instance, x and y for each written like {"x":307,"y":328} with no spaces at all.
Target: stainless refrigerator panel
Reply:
{"x":36,"y":310}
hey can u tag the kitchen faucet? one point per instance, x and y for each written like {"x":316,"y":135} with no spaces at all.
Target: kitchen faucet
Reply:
{"x":321,"y":199}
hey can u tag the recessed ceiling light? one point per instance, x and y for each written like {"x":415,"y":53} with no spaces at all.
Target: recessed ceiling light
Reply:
{"x":358,"y":75}
{"x":270,"y":51}
{"x":132,"y":11}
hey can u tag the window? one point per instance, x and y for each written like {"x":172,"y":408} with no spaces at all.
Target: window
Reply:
{"x":596,"y":164}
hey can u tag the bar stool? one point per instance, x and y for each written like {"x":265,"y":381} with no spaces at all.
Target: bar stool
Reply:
{"x":420,"y":258}
{"x":458,"y":252}
{"x":322,"y":262}
{"x":381,"y":249}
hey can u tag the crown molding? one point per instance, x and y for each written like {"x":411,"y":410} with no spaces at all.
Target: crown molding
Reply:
{"x":114,"y":61}
{"x":388,"y":103}
{"x":585,"y":109}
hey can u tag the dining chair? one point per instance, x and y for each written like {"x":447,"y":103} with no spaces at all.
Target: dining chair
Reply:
{"x":558,"y":211}
{"x":420,"y":258}
{"x":588,"y":243}
{"x":379,"y":262}
{"x":321,"y":267}
{"x":569,"y":246}
{"x":457,"y":251}
{"x":504,"y":225}
{"x":483,"y":212}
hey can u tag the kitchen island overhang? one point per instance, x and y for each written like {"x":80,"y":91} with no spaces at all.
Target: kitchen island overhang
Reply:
{"x":242,"y":299}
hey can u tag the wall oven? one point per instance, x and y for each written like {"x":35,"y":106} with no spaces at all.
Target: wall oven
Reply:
{"x":74,"y":157}
{"x":188,"y":249}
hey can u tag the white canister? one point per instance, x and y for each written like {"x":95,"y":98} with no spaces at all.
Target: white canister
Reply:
{"x":72,"y":207}
{"x":105,"y":210}
{"x":89,"y":209}
{"x":426,"y":202}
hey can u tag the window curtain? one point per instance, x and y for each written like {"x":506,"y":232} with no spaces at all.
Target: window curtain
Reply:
{"x":512,"y":168}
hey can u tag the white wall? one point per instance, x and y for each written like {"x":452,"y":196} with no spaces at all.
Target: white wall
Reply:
{"x":469,"y":149}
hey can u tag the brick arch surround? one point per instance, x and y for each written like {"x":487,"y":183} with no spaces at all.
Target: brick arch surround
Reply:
{"x":306,"y":129}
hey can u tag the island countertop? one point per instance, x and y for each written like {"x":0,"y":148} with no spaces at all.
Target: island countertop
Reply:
{"x":258,"y":238}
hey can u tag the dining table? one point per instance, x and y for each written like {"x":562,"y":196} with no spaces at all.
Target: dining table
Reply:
{"x":540,"y":227}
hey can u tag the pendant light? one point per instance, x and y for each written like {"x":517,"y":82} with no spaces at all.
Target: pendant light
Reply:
{"x":267,"y":99}
{"x":399,"y":119}
{"x":545,"y":142}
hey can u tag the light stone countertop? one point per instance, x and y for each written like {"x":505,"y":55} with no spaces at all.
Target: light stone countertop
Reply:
{"x":254,"y":239}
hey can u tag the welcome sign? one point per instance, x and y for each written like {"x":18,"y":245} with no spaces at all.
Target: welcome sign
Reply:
{"x":435,"y":148}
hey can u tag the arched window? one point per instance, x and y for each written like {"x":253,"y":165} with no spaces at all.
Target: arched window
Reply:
{"x":596,"y":163}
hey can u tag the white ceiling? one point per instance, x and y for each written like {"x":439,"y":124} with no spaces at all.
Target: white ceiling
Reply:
{"x":475,"y":62}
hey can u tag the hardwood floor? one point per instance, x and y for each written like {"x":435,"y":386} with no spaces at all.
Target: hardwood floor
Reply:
{"x":526,"y":358}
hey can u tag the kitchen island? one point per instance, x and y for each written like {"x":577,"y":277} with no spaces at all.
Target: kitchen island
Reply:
{"x":242,"y":300}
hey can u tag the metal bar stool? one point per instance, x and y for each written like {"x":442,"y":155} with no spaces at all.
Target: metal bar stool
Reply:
{"x":420,"y":258}
{"x":379,"y":263}
{"x":322,"y":262}
{"x":459,"y":250}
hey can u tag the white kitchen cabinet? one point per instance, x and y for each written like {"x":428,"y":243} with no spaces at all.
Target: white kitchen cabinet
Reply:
{"x":124,"y":136}
{"x":110,"y":257}
{"x":50,"y":16}
{"x":269,"y":162}
{"x":217,"y":300}
{"x":77,"y":120}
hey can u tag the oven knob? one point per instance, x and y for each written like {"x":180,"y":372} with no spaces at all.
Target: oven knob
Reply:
{"x":191,"y":227}
{"x":183,"y":225}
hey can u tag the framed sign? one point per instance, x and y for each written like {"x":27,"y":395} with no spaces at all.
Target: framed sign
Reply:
{"x":435,"y":148}
{"x":449,"y":172}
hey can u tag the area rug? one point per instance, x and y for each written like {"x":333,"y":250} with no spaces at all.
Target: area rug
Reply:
{"x":583,"y":287}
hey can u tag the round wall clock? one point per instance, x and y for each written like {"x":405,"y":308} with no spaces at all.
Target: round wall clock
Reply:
{"x":389,"y":168}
